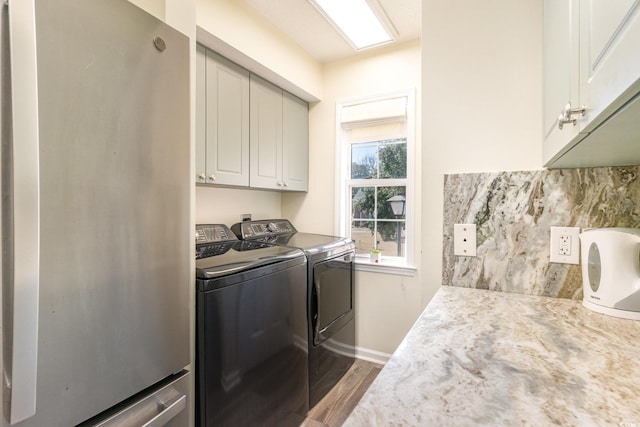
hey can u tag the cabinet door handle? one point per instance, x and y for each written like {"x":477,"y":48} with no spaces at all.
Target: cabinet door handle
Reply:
{"x":212,"y":177}
{"x":202,"y":176}
{"x":568,"y":115}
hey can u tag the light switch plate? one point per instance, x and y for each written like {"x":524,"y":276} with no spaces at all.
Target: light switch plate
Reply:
{"x":464,"y":239}
{"x":565,"y":245}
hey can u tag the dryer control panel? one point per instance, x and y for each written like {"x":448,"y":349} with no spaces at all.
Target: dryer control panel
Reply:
{"x":261,"y":228}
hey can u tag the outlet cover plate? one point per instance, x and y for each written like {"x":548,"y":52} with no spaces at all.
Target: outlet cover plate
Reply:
{"x":464,"y":239}
{"x":564,"y":245}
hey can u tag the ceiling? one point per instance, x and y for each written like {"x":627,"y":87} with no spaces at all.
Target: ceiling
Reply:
{"x":302,"y":22}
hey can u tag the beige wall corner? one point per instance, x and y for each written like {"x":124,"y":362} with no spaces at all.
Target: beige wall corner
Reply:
{"x":481,"y":98}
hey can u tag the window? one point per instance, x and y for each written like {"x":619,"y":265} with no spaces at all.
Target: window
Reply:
{"x":374,"y":224}
{"x":375,"y":141}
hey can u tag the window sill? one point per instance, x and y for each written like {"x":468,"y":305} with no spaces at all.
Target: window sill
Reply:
{"x":386,"y":266}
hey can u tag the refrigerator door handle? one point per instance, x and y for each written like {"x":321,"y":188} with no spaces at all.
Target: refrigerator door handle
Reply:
{"x":170,"y":410}
{"x":21,"y":309}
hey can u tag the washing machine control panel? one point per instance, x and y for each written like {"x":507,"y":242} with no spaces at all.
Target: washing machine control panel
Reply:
{"x":213,"y":233}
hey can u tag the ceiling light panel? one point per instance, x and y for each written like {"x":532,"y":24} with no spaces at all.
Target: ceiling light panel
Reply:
{"x":356,"y":21}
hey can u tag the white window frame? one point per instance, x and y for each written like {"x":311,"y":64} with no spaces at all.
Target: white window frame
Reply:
{"x":389,"y":264}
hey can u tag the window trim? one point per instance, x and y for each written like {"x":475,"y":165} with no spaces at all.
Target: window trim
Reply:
{"x":394,"y":265}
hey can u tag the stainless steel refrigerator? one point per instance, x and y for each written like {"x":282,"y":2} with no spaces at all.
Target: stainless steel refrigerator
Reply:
{"x":95,"y":215}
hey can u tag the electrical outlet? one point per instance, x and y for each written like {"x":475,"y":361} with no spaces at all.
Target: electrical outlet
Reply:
{"x":565,"y":245}
{"x":464,"y":239}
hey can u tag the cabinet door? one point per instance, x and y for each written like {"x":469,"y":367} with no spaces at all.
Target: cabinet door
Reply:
{"x":201,"y":114}
{"x":266,"y":134}
{"x":295,"y":143}
{"x":227,"y":124}
{"x":560,"y":68}
{"x":609,"y":56}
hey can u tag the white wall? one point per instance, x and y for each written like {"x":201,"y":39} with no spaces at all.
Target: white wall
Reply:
{"x":154,"y":7}
{"x":226,"y":205}
{"x":482,"y":101}
{"x":240,"y":27}
{"x":386,"y":305}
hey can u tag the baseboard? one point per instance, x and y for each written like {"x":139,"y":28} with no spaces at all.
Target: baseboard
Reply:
{"x":360,"y":352}
{"x":372,"y":355}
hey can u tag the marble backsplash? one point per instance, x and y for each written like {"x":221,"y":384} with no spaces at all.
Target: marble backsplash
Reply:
{"x":513,"y":213}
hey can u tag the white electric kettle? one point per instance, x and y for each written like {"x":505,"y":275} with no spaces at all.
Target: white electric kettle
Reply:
{"x":611,"y":271}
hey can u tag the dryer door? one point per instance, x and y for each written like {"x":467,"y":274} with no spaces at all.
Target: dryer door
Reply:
{"x":332,"y":296}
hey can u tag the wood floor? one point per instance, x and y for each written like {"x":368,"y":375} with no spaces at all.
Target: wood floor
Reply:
{"x":336,"y":406}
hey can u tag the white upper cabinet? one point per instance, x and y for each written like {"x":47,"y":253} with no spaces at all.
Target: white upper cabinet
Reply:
{"x":201,"y":114}
{"x":560,"y":68}
{"x":249,"y":132}
{"x":222,"y":120}
{"x":266,"y":134}
{"x":610,"y":56}
{"x":295,"y":143}
{"x":279,"y":138}
{"x":591,"y":83}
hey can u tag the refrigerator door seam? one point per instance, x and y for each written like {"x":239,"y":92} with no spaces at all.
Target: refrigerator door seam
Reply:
{"x":20,"y":374}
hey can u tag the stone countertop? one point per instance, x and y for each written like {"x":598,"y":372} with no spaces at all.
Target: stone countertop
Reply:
{"x":477,"y":357}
